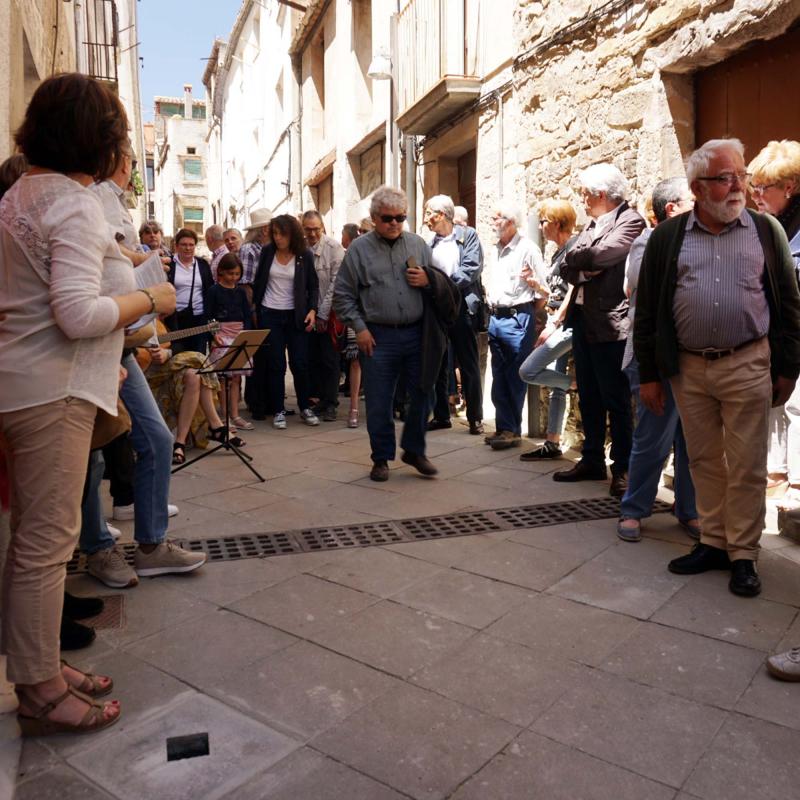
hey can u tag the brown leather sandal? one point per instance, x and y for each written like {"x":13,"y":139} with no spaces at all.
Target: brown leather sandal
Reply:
{"x":94,"y":720}
{"x":91,"y":685}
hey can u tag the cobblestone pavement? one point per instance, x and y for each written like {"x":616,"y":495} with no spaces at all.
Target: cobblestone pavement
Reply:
{"x":550,"y":662}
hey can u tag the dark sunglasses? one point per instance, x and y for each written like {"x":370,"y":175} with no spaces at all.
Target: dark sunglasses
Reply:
{"x":387,"y":218}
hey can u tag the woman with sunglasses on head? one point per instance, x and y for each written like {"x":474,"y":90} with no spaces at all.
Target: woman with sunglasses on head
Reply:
{"x":285,"y":296}
{"x":774,"y":187}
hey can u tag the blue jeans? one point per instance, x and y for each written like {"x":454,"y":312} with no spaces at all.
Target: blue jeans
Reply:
{"x":509,"y":339}
{"x":152,"y":443}
{"x":653,"y":438}
{"x":398,"y":352}
{"x":547,"y":366}
{"x":95,"y":535}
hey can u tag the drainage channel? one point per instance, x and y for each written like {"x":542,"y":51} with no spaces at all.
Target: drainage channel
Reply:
{"x":340,"y":537}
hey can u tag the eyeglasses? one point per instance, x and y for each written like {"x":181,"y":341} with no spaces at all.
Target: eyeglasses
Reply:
{"x":727,"y":178}
{"x":150,"y":229}
{"x":760,"y":188}
{"x":387,"y":218}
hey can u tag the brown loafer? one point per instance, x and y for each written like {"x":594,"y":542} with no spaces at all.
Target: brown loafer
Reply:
{"x":420,"y":463}
{"x":379,"y":472}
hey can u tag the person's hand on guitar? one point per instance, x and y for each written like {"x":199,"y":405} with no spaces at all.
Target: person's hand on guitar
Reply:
{"x":159,"y":355}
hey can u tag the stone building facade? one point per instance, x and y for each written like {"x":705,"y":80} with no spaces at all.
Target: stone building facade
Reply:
{"x":635,"y":83}
{"x":180,"y":161}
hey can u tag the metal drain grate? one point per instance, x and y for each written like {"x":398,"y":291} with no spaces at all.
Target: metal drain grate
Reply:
{"x":449,"y":525}
{"x":372,"y":533}
{"x":245,"y":545}
{"x":536,"y":516}
{"x":339,"y":537}
{"x":112,"y":617}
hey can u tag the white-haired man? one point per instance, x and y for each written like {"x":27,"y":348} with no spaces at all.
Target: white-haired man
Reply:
{"x":517,"y":289}
{"x":384,"y":289}
{"x":718,"y":314}
{"x":458,"y":253}
{"x":215,"y":241}
{"x":597,"y":314}
{"x":460,"y":216}
{"x":233,"y":239}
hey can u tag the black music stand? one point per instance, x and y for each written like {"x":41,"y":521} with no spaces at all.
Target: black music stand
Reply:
{"x":237,"y":358}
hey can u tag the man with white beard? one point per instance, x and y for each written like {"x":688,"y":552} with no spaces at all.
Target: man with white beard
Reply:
{"x":718,"y":314}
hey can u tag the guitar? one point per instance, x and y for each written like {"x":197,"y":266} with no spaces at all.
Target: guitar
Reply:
{"x":143,"y":357}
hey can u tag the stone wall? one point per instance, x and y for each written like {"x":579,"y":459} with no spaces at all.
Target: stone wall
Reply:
{"x":37,"y":38}
{"x":619,"y":89}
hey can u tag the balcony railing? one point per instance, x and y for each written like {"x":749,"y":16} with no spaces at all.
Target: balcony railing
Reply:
{"x":101,"y":30}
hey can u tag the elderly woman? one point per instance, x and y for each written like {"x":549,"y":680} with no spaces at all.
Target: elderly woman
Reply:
{"x":66,"y":292}
{"x":192,"y":279}
{"x":775,"y":189}
{"x":547,"y":364}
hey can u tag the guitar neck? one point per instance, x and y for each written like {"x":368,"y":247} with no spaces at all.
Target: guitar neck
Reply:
{"x":173,"y":336}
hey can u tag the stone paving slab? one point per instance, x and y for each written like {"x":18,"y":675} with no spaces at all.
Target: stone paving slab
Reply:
{"x":552,"y":662}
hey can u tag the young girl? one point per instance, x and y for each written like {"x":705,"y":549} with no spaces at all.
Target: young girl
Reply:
{"x":227,"y":303}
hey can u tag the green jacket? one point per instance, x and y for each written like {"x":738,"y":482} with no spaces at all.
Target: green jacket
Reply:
{"x":655,"y":340}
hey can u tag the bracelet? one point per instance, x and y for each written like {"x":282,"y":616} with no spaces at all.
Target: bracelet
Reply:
{"x":152,"y":300}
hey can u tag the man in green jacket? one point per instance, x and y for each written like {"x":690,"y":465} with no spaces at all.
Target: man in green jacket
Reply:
{"x":718,"y":315}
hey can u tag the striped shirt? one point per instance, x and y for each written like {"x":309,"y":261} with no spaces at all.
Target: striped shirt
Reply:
{"x":719,"y":299}
{"x":249,"y":253}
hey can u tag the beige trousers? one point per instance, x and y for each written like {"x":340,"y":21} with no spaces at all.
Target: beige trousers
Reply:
{"x":49,"y":454}
{"x":724,"y":407}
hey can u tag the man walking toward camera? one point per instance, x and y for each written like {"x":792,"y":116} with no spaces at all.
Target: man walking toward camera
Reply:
{"x":381,"y":291}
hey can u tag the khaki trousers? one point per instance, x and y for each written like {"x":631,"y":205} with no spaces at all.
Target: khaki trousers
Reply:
{"x":49,"y":453}
{"x":724,"y":407}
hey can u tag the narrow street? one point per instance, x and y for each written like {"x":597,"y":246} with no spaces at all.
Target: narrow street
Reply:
{"x":551,"y":661}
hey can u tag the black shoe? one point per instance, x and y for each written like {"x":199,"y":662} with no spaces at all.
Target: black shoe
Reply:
{"x":81,"y":607}
{"x":547,"y":450}
{"x":702,"y":559}
{"x":379,"y":472}
{"x":439,"y":424}
{"x":420,"y":463}
{"x":258,"y":417}
{"x":619,"y":485}
{"x":476,"y":428}
{"x":744,"y":578}
{"x":75,"y":636}
{"x":581,"y":472}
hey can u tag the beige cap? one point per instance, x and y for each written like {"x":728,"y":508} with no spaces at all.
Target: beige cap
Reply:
{"x":259,"y":218}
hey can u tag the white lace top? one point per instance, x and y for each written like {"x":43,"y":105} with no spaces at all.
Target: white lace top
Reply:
{"x":59,"y":267}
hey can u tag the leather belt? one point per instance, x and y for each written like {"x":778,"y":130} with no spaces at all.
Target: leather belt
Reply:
{"x":504,"y":312}
{"x":711,"y":354}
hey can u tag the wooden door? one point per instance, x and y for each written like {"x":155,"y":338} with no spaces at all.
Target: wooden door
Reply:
{"x":753,"y":95}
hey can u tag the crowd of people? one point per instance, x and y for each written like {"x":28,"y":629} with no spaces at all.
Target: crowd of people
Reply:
{"x":689,"y":325}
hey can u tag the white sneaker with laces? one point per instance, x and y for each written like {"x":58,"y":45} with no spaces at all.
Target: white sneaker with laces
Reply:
{"x":309,"y":417}
{"x":279,"y":421}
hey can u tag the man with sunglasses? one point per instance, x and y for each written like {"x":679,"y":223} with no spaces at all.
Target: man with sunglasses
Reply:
{"x":718,"y":314}
{"x":379,"y":291}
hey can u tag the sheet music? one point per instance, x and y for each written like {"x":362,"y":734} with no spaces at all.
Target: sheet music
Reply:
{"x":148,"y":273}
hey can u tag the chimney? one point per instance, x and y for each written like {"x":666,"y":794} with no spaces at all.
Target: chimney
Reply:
{"x":187,"y":100}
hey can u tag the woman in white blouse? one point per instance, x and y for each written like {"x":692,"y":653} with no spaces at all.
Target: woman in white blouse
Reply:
{"x":66,"y":293}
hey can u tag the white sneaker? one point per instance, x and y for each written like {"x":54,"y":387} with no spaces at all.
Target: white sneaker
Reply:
{"x":279,"y":421}
{"x":123,"y":513}
{"x":115,"y":532}
{"x":309,"y":417}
